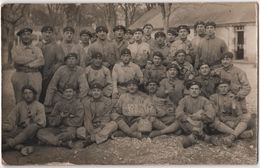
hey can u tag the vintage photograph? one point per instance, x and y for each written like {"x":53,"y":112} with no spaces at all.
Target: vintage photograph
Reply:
{"x":129,"y":83}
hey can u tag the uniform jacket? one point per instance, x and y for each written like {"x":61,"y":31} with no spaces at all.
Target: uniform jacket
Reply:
{"x":140,"y":53}
{"x":179,"y":44}
{"x":155,"y":73}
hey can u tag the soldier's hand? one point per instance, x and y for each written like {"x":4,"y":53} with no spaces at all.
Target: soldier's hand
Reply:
{"x":93,"y":137}
{"x":64,"y":114}
{"x":115,"y":95}
{"x":64,"y":136}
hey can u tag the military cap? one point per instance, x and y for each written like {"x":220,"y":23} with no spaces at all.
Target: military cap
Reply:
{"x":148,"y":24}
{"x":96,"y":85}
{"x":223,"y":81}
{"x":202,"y":63}
{"x":125,"y":51}
{"x":173,"y":31}
{"x":158,"y":54}
{"x":119,"y":27}
{"x":85,"y":32}
{"x":97,"y":55}
{"x":180,"y":51}
{"x":152,"y":80}
{"x":129,"y":31}
{"x":29,"y":87}
{"x":133,"y":81}
{"x":198,"y":23}
{"x":68,"y":28}
{"x":211,"y":23}
{"x":68,"y":86}
{"x":159,"y":34}
{"x":138,"y":29}
{"x":183,"y":27}
{"x":227,"y":55}
{"x":101,"y":28}
{"x":70,"y":55}
{"x":191,"y":83}
{"x":47,"y":28}
{"x":21,"y":31}
{"x":172,"y":66}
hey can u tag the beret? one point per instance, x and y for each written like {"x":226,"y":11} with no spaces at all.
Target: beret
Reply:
{"x":158,"y":54}
{"x":119,"y":27}
{"x":133,"y":81}
{"x":125,"y":51}
{"x":29,"y":87}
{"x":180,"y":51}
{"x":68,"y":28}
{"x":148,"y":24}
{"x":198,"y":23}
{"x":138,"y":29}
{"x":223,"y":81}
{"x":97,"y":55}
{"x":129,"y":31}
{"x":85,"y":32}
{"x":211,"y":23}
{"x":96,"y":85}
{"x":173,"y":31}
{"x":70,"y":55}
{"x":227,"y":55}
{"x":183,"y":27}
{"x":47,"y":28}
{"x":101,"y":28}
{"x":172,"y":66}
{"x":21,"y":31}
{"x":192,"y":82}
{"x":159,"y":34}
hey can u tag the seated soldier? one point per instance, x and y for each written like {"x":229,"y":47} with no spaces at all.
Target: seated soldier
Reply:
{"x":69,"y":74}
{"x":97,"y":121}
{"x":156,"y":71}
{"x":207,"y":80}
{"x":230,"y":118}
{"x":130,"y":115}
{"x":173,"y":86}
{"x":193,"y":113}
{"x":98,"y":73}
{"x":185,"y":68}
{"x":23,"y":122}
{"x":123,"y":72}
{"x":65,"y":118}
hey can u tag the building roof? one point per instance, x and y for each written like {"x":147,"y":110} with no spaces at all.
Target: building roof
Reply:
{"x":189,"y":13}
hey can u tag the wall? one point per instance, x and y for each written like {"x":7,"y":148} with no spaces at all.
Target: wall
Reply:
{"x":251,"y":43}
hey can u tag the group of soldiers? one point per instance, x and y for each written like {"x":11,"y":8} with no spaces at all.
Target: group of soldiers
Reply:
{"x":73,"y":95}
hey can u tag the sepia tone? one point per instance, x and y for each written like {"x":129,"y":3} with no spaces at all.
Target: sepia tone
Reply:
{"x":236,"y":26}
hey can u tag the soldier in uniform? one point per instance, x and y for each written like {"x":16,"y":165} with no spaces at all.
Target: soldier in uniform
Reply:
{"x":200,"y":31}
{"x":211,"y":48}
{"x":123,"y":72}
{"x":160,"y":45}
{"x":98,"y":73}
{"x":97,"y":123}
{"x":85,"y":37}
{"x":156,"y":71}
{"x":107,"y":48}
{"x":23,"y":122}
{"x":28,"y":60}
{"x":93,"y":38}
{"x":148,"y":29}
{"x":120,"y":42}
{"x":140,"y":50}
{"x":182,"y":43}
{"x":207,"y":80}
{"x":69,"y":74}
{"x":129,"y":36}
{"x":171,"y":36}
{"x":230,"y":118}
{"x":66,"y":117}
{"x":53,"y":57}
{"x":240,"y":85}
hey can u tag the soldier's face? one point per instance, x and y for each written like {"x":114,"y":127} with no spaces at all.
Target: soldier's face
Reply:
{"x":68,"y":36}
{"x":126,"y":58}
{"x":102,"y":35}
{"x":26,"y":37}
{"x":160,"y":40}
{"x":68,"y":93}
{"x":128,"y":36}
{"x":28,"y":95}
{"x":138,"y":36}
{"x":183,"y":33}
{"x":194,"y":91}
{"x":223,"y":89}
{"x":96,"y":93}
{"x":200,"y":29}
{"x":171,"y":37}
{"x":47,"y":35}
{"x":132,"y":88}
{"x":180,"y":58}
{"x":119,"y":33}
{"x":210,"y":30}
{"x":148,"y":30}
{"x":93,"y":39}
{"x":152,"y":88}
{"x":71,"y":62}
{"x":204,"y":70}
{"x":84,"y":38}
{"x":226,"y":62}
{"x":157,"y":60}
{"x":172,"y":72}
{"x":97,"y":62}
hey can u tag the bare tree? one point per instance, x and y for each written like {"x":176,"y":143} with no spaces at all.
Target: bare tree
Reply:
{"x":150,"y":6}
{"x":130,"y":10}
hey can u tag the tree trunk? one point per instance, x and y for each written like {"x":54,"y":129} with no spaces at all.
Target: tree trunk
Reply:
{"x":11,"y":38}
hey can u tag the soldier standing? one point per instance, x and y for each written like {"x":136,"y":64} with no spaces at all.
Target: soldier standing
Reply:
{"x":129,"y":36}
{"x":148,"y":29}
{"x":85,"y":37}
{"x":200,"y":30}
{"x":120,"y":42}
{"x":171,"y":36}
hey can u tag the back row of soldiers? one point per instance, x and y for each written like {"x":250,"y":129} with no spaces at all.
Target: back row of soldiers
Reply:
{"x":134,"y":85}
